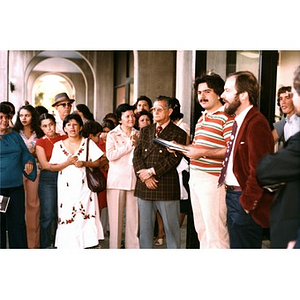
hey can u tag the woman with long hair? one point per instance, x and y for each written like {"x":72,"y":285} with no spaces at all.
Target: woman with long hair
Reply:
{"x":27,"y":125}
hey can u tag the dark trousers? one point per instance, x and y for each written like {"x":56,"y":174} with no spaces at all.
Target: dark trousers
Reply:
{"x":243,"y":231}
{"x":192,"y":241}
{"x":48,"y":206}
{"x":13,"y":220}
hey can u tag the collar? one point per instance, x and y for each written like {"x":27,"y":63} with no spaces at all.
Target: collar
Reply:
{"x":240,"y":118}
{"x":119,"y":130}
{"x":206,"y":114}
{"x":221,"y":108}
{"x":292,"y":119}
{"x":163,"y":125}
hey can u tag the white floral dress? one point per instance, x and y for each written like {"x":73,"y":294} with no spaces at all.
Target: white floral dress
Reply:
{"x":79,"y":223}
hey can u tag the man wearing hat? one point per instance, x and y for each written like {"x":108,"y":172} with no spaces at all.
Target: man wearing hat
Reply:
{"x":63,"y":105}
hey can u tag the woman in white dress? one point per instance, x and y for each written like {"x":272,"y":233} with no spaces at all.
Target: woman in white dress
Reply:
{"x":79,"y":224}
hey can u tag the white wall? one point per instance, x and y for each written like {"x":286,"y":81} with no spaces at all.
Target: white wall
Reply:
{"x":287,"y":64}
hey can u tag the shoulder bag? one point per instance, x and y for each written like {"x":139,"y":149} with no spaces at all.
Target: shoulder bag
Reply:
{"x":95,"y":178}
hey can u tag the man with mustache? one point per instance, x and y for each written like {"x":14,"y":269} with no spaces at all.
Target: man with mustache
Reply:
{"x":248,"y":204}
{"x":212,"y":133}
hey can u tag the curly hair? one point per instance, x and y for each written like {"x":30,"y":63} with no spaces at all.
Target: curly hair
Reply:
{"x":213,"y":81}
{"x":91,"y":127}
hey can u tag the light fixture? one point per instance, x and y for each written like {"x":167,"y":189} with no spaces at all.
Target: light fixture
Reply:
{"x":11,"y":87}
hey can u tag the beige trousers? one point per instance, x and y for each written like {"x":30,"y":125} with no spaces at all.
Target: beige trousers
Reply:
{"x":117,"y":200}
{"x":209,"y":210}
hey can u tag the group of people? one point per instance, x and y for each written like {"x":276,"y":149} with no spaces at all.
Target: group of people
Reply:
{"x":236,"y":184}
{"x":51,"y":192}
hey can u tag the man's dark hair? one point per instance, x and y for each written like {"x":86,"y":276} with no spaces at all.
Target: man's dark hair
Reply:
{"x":164,"y":98}
{"x":213,"y":81}
{"x":282,"y":90}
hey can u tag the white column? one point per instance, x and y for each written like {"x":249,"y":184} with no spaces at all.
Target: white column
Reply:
{"x":185,"y":76}
{"x":3,"y":75}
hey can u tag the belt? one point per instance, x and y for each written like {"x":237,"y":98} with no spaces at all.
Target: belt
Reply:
{"x":233,"y":188}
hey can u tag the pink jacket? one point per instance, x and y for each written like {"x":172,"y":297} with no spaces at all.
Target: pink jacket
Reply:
{"x":119,"y":152}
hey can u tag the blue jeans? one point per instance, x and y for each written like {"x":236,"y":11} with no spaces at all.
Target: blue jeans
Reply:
{"x":48,"y":205}
{"x":243,"y":231}
{"x":169,"y":211}
{"x":14,"y":219}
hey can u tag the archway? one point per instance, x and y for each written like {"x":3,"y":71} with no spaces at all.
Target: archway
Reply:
{"x":71,"y":66}
{"x":47,"y":86}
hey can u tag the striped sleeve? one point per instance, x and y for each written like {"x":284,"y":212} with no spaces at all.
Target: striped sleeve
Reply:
{"x":212,"y":131}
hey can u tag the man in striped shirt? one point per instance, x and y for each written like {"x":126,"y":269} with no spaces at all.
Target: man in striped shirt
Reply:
{"x":212,"y":133}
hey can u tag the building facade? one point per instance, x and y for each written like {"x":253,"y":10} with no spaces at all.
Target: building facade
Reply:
{"x":104,"y":79}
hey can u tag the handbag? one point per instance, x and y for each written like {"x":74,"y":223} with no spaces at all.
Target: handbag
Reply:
{"x":95,"y":178}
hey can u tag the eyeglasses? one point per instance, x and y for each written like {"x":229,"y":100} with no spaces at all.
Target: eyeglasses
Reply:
{"x":65,"y":104}
{"x":157,"y":109}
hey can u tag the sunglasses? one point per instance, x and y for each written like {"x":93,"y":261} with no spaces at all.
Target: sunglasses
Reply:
{"x":65,"y":104}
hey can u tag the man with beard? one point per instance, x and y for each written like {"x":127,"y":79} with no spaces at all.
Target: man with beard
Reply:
{"x":281,"y":172}
{"x":248,"y":204}
{"x":212,"y":133}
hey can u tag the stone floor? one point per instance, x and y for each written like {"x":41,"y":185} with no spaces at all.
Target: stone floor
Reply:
{"x":104,"y":244}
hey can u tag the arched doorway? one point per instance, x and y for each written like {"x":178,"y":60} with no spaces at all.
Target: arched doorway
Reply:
{"x":69,"y":72}
{"x":47,"y":86}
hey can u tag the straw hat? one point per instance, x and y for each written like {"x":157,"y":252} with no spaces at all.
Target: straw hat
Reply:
{"x":61,"y":97}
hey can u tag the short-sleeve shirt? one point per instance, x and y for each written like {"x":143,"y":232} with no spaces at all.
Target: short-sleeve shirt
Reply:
{"x":212,"y":131}
{"x":279,"y":127}
{"x":47,"y":144}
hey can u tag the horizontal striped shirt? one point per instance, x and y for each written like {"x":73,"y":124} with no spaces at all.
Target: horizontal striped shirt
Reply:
{"x":212,"y":131}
